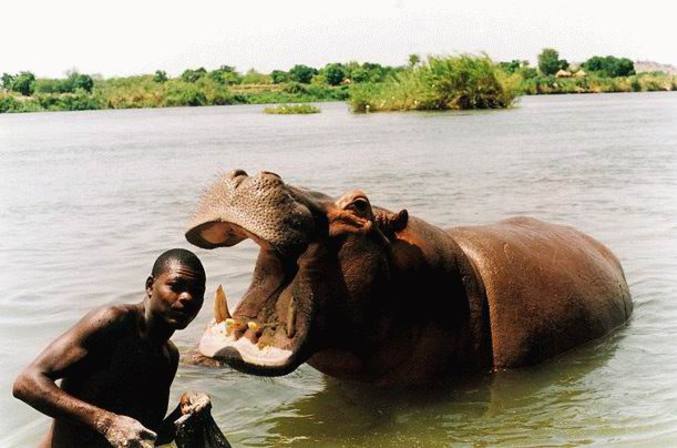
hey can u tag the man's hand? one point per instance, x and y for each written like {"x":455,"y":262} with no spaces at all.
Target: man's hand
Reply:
{"x":194,"y":403}
{"x":125,"y":432}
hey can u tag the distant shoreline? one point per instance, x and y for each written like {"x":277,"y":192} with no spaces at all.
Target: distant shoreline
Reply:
{"x":18,"y":104}
{"x":440,"y":83}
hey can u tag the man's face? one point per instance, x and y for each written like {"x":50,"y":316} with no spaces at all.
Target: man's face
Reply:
{"x":176,"y":295}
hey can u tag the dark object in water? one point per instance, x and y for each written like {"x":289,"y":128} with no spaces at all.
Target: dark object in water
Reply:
{"x":199,"y":431}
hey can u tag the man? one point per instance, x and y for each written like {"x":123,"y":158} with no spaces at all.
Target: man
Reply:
{"x":117,"y":365}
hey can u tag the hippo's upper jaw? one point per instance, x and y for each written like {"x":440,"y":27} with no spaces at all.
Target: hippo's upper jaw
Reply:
{"x":267,"y":332}
{"x":259,"y":207}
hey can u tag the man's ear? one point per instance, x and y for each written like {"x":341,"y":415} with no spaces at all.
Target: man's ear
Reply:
{"x":149,"y":285}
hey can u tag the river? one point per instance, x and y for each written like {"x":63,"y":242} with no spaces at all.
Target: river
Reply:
{"x":89,"y":199}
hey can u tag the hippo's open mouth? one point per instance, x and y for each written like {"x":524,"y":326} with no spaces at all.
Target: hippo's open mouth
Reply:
{"x":268,"y":332}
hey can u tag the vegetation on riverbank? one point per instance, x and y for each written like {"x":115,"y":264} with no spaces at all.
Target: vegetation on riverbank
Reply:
{"x":449,"y":83}
{"x":439,"y":83}
{"x":290,"y":109}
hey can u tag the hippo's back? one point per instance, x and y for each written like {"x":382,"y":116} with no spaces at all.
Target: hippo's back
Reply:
{"x":549,"y":287}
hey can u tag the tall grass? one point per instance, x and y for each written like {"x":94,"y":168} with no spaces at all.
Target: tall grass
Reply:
{"x":443,"y":83}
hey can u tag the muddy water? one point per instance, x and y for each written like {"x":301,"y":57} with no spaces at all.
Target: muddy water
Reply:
{"x":89,"y":199}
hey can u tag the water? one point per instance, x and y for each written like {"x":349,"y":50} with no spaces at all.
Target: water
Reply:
{"x":89,"y":199}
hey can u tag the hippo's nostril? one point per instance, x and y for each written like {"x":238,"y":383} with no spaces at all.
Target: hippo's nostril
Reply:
{"x":236,"y":173}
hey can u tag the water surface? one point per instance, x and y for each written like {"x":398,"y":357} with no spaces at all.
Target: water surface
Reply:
{"x":89,"y":199}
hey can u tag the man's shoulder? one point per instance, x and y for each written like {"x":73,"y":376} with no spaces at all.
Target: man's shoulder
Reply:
{"x":114,"y":313}
{"x":111,"y":317}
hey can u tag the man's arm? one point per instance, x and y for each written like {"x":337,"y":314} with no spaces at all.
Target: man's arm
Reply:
{"x":65,"y":356}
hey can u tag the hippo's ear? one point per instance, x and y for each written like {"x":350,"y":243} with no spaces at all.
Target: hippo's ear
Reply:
{"x":391,"y":223}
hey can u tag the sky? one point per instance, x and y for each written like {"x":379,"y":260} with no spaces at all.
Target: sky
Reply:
{"x":129,"y":37}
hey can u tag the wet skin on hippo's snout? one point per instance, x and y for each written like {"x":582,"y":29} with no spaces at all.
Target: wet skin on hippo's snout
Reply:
{"x":363,"y":293}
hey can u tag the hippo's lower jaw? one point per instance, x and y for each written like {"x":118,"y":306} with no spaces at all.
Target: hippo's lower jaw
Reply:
{"x":242,"y":354}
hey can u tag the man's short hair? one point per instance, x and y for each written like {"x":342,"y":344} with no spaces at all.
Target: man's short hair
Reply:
{"x":178,"y":255}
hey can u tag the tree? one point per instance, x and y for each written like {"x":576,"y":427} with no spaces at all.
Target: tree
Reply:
{"x":610,"y":66}
{"x":359,"y":75}
{"x":81,"y":81}
{"x":225,"y":74}
{"x":528,"y":72}
{"x":193,"y":75}
{"x":414,"y":60}
{"x":160,"y":76}
{"x":549,"y":62}
{"x":511,"y":67}
{"x":24,"y":83}
{"x":279,"y":76}
{"x":625,"y":67}
{"x":7,"y":81}
{"x":302,"y":73}
{"x":334,"y":73}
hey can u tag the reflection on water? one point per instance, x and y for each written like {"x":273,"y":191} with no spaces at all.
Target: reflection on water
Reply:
{"x":89,"y":199}
{"x":503,"y":405}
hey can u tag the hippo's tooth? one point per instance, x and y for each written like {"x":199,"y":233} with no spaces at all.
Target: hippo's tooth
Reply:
{"x":230,"y":325}
{"x":253,"y":326}
{"x":221,"y":312}
{"x":291,"y":318}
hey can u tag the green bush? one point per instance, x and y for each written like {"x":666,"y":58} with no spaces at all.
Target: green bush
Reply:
{"x":73,"y":82}
{"x":79,"y":100}
{"x":295,"y":87}
{"x":334,"y":73}
{"x":225,"y":75}
{"x":7,"y":81}
{"x":160,"y":76}
{"x":10,"y":103}
{"x":254,"y":77}
{"x":279,"y":76}
{"x":443,"y":83}
{"x":511,"y":67}
{"x":610,"y":66}
{"x":184,"y":94}
{"x":190,"y":75}
{"x":23,"y":83}
{"x":302,"y":73}
{"x":287,"y":109}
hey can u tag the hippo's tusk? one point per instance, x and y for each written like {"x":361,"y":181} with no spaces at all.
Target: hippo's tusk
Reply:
{"x":221,"y":312}
{"x":253,"y":326}
{"x":291,"y":318}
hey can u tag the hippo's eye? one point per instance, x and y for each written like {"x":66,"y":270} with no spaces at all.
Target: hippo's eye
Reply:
{"x":360,"y":205}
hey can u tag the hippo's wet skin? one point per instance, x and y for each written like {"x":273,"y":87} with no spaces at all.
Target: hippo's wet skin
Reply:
{"x":363,"y":293}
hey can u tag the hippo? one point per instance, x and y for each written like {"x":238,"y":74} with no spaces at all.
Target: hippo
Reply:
{"x":366,"y":294}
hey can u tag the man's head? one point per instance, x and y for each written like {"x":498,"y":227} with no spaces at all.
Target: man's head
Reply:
{"x":175,"y":289}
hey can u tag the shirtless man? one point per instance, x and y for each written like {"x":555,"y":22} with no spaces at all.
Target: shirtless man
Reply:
{"x":117,"y":365}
